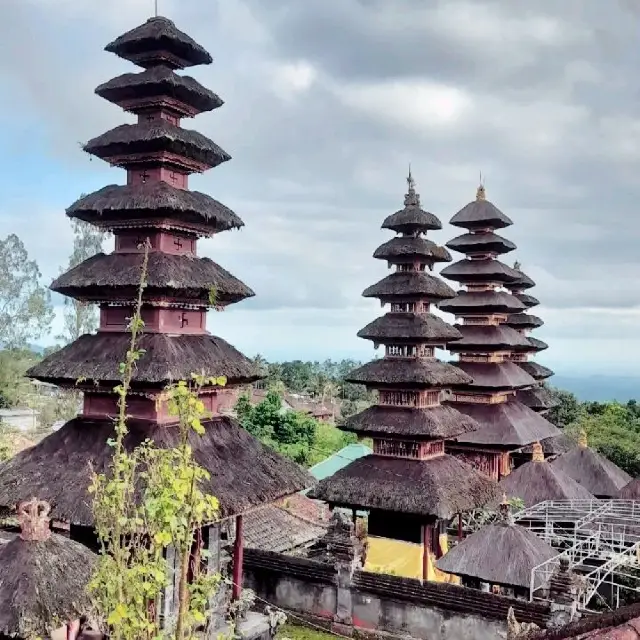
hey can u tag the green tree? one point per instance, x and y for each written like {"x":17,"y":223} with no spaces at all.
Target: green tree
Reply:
{"x":25,"y":305}
{"x":567,"y":409}
{"x":14,"y":387}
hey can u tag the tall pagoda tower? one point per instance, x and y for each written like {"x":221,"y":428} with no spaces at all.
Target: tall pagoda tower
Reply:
{"x":411,"y":488}
{"x":154,"y":208}
{"x":488,"y":343}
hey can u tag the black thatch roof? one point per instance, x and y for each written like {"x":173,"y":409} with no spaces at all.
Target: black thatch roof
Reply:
{"x":524,"y":321}
{"x":535,"y":370}
{"x":480,"y":214}
{"x":406,"y":248}
{"x":485,"y":242}
{"x":153,"y":201}
{"x":537,"y":481}
{"x":43,"y":585}
{"x":537,"y":398}
{"x":495,"y":375}
{"x":400,"y":327}
{"x":436,"y":422}
{"x":509,"y":424}
{"x":478,"y":302}
{"x":167,"y":358}
{"x":487,"y":337}
{"x":528,"y":300}
{"x":244,"y":472}
{"x":523,"y":282}
{"x":440,"y":487}
{"x":401,"y":284}
{"x":554,"y":446}
{"x":148,"y":44}
{"x":536,"y":344}
{"x":408,"y":372}
{"x":500,"y":553}
{"x":157,"y":82}
{"x":631,"y":490}
{"x":484,"y":270}
{"x":155,"y":137}
{"x":593,"y":471}
{"x":116,"y":276}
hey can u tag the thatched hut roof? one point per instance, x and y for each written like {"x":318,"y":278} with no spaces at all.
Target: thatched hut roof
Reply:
{"x":554,"y":446}
{"x":42,"y":583}
{"x":631,"y":490}
{"x":401,"y":284}
{"x":480,"y":214}
{"x":486,"y":269}
{"x":502,"y":553}
{"x":408,"y":372}
{"x":487,"y":337}
{"x":440,"y":487}
{"x":508,"y":424}
{"x":528,"y":300}
{"x":435,"y":422}
{"x":157,"y":136}
{"x":524,"y":321}
{"x":159,"y":41}
{"x":244,"y":472}
{"x":478,"y":302}
{"x":495,"y":375}
{"x":400,"y":327}
{"x":141,"y":90}
{"x":537,"y":398}
{"x":486,"y":242}
{"x":153,"y":201}
{"x":409,"y":248}
{"x":116,"y":276}
{"x":167,"y":358}
{"x":593,"y":471}
{"x":535,"y":369}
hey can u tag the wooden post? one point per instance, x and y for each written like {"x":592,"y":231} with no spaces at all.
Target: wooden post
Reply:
{"x":459,"y":526}
{"x":426,"y":549}
{"x":237,"y":560}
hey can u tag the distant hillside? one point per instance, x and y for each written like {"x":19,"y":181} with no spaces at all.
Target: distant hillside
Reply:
{"x":599,"y":388}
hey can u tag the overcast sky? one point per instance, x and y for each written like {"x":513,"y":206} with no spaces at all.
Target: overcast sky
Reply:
{"x":327,"y":101}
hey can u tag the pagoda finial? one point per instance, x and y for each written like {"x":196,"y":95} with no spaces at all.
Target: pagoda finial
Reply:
{"x":411,"y":199}
{"x":156,"y":3}
{"x":517,"y":265}
{"x":480,"y":192}
{"x":538,"y":453}
{"x":583,"y":442}
{"x":33,"y":516}
{"x":505,"y":510}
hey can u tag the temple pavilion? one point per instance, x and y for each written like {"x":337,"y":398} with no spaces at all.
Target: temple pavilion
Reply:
{"x":156,"y":208}
{"x":482,"y":310}
{"x":411,"y":488}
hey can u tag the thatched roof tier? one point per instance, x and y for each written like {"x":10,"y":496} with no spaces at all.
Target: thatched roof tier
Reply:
{"x":537,"y":398}
{"x":487,"y":338}
{"x":244,"y":472}
{"x":440,"y":487}
{"x":523,"y":321}
{"x":630,"y":491}
{"x":482,"y":302}
{"x":167,"y":358}
{"x":508,"y":424}
{"x":436,"y":422}
{"x":535,"y":482}
{"x":480,"y":214}
{"x":523,"y":282}
{"x":484,"y":270}
{"x":137,"y":91}
{"x":409,"y":327}
{"x":486,"y":242}
{"x":535,"y":370}
{"x":408,"y":372}
{"x":410,"y":248}
{"x":496,"y":375}
{"x":528,"y":300}
{"x":127,"y":143}
{"x":122,"y":205}
{"x":536,"y":344}
{"x":501,"y":553}
{"x":593,"y":471}
{"x":554,"y":446}
{"x":116,"y":276}
{"x":401,"y":284}
{"x":159,"y":41}
{"x":411,"y":219}
{"x":42,"y":585}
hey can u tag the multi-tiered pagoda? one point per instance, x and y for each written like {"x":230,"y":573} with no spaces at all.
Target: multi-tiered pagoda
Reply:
{"x":154,"y":208}
{"x":410,"y":487}
{"x":488,"y":344}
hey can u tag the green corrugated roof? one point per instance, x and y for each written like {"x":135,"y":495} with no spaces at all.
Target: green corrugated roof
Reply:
{"x":339,"y":460}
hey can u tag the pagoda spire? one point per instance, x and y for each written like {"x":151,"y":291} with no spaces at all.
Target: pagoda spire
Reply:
{"x":489,"y":343}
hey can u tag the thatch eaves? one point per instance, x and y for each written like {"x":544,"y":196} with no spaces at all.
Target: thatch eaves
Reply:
{"x":535,"y":369}
{"x":537,"y":398}
{"x":523,"y":282}
{"x":495,"y":375}
{"x":487,"y":338}
{"x":537,"y":344}
{"x":410,"y":248}
{"x":486,"y":242}
{"x":554,"y":446}
{"x":528,"y":300}
{"x":412,"y":219}
{"x":483,"y":270}
{"x":400,"y":327}
{"x":479,"y":302}
{"x":524,"y":321}
{"x":403,"y":284}
{"x":630,"y":491}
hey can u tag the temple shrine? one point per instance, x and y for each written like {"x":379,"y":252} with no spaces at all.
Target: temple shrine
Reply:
{"x":154,"y":209}
{"x":488,"y":343}
{"x":410,"y":487}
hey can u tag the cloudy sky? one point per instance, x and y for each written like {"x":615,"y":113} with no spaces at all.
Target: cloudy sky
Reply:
{"x":327,"y":101}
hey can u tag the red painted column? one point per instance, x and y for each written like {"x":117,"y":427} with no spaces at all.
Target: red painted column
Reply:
{"x":459,"y":526}
{"x":237,"y":560}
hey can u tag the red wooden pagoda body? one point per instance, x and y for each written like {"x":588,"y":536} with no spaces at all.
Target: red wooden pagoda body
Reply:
{"x":490,"y":348}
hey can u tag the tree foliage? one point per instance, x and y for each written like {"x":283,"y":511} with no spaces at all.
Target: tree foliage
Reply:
{"x":25,"y":305}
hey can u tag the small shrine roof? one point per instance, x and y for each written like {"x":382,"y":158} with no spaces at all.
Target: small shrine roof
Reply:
{"x":424,"y":327}
{"x":480,"y":214}
{"x":402,"y":284}
{"x":554,"y":446}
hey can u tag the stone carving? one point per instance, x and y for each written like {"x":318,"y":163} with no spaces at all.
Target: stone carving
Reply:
{"x":519,"y":630}
{"x":33,"y":516}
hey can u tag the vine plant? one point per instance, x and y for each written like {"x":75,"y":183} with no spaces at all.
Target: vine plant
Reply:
{"x":151,"y":500}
